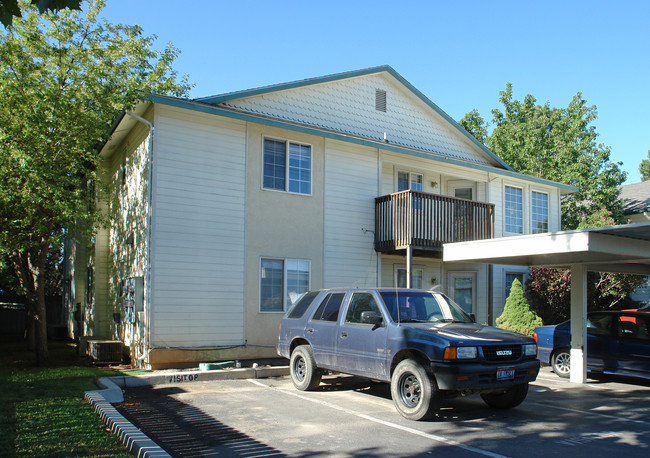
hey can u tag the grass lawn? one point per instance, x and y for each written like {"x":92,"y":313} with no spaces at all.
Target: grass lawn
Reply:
{"x":42,"y":410}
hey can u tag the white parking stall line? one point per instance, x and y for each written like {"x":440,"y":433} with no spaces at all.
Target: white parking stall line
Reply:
{"x":593,"y":414}
{"x":389,"y":424}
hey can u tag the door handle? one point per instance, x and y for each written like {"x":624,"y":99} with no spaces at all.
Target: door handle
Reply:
{"x":344,"y":335}
{"x":310,"y":331}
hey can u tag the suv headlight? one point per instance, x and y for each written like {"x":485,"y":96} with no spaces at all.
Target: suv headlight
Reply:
{"x":460,"y":353}
{"x":530,"y":349}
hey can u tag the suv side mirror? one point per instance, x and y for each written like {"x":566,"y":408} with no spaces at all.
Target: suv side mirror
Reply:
{"x":473,"y":317}
{"x":371,"y":318}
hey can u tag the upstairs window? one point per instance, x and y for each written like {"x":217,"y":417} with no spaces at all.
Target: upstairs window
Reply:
{"x":539,"y":212}
{"x":287,"y":166}
{"x":514,"y":210}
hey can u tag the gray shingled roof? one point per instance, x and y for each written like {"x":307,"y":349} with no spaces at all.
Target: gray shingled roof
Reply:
{"x":635,"y":197}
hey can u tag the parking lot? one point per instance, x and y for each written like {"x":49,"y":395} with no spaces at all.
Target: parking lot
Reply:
{"x":349,"y":416}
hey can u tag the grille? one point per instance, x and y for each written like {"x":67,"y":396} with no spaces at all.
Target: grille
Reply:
{"x":105,"y":351}
{"x":502,"y":352}
{"x":380,"y":100}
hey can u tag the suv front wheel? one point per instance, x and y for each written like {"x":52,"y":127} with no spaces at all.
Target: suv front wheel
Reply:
{"x":304,"y":373}
{"x":414,"y":390}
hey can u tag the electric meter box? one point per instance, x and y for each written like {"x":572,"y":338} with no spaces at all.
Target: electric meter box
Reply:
{"x":133,"y":297}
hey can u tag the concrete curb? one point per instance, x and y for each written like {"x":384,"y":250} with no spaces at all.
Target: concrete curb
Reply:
{"x":135,"y":440}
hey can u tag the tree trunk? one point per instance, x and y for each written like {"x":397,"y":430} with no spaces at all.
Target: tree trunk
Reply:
{"x":30,"y":268}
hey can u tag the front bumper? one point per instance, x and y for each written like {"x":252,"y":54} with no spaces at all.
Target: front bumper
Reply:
{"x":482,"y":377}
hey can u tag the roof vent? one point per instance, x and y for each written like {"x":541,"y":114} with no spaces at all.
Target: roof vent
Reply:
{"x":380,"y":100}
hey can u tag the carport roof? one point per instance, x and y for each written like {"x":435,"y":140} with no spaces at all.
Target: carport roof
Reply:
{"x":624,"y":249}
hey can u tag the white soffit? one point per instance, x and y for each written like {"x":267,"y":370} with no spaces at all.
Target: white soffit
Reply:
{"x":623,"y":248}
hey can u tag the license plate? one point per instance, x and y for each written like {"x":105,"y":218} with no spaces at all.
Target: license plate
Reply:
{"x":505,"y":373}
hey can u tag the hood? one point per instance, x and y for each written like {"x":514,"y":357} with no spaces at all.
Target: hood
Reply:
{"x":469,"y":333}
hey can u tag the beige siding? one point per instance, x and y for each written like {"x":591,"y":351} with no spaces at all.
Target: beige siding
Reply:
{"x":197,"y":264}
{"x":351,"y":185}
{"x":280,"y":225}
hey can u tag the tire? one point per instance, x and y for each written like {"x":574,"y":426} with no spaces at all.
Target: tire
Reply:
{"x":507,"y":399}
{"x":414,"y":391}
{"x":304,"y":373}
{"x":561,"y":363}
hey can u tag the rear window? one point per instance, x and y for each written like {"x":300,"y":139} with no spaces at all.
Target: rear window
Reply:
{"x":301,"y":306}
{"x":329,"y":309}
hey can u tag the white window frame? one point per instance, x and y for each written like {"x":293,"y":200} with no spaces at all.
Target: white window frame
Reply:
{"x":505,"y":210}
{"x":533,"y":229}
{"x":453,"y":275}
{"x":285,"y":300}
{"x":410,"y":174}
{"x":287,"y":143}
{"x":398,"y":267}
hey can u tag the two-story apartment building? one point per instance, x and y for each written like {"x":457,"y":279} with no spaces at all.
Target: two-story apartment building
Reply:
{"x":223,"y":208}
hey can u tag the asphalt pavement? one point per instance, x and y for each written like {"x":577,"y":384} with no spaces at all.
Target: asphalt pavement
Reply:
{"x":353,"y":417}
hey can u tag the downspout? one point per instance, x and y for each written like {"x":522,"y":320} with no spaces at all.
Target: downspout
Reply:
{"x":147,"y":291}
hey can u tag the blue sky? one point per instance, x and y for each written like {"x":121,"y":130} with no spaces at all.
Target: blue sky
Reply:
{"x":459,"y":54}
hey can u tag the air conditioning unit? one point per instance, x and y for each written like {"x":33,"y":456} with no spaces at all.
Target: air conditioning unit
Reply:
{"x":105,"y":351}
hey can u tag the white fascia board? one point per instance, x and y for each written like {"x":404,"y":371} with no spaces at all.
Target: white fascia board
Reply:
{"x":620,"y":246}
{"x":597,"y":251}
{"x":525,"y":247}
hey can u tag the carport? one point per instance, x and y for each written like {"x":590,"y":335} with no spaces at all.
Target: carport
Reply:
{"x":620,"y":249}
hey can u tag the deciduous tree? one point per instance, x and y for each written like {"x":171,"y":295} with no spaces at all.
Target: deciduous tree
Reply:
{"x":10,"y":8}
{"x":644,"y":168}
{"x":559,"y":144}
{"x":63,"y":78}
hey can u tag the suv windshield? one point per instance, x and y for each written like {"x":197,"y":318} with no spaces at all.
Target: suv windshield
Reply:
{"x":405,"y":306}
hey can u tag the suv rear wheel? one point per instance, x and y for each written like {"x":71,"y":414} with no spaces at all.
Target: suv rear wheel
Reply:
{"x":414,"y":390}
{"x":304,"y":373}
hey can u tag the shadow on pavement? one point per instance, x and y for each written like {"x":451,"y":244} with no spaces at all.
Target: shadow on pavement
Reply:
{"x":184,"y":430}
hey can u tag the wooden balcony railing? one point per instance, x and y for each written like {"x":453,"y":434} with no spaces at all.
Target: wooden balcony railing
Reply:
{"x":425,"y":221}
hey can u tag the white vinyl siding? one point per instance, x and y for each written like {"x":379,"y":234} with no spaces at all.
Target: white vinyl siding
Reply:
{"x":350,"y":191}
{"x":197,"y":262}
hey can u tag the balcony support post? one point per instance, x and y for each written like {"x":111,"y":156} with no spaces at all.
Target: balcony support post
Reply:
{"x":409,"y":265}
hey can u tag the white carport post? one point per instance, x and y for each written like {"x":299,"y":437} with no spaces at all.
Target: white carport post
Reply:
{"x":578,"y":324}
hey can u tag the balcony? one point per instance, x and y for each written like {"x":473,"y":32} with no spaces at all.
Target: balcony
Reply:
{"x":424,"y":221}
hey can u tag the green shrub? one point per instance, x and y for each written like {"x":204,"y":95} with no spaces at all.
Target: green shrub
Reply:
{"x":517,"y":315}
